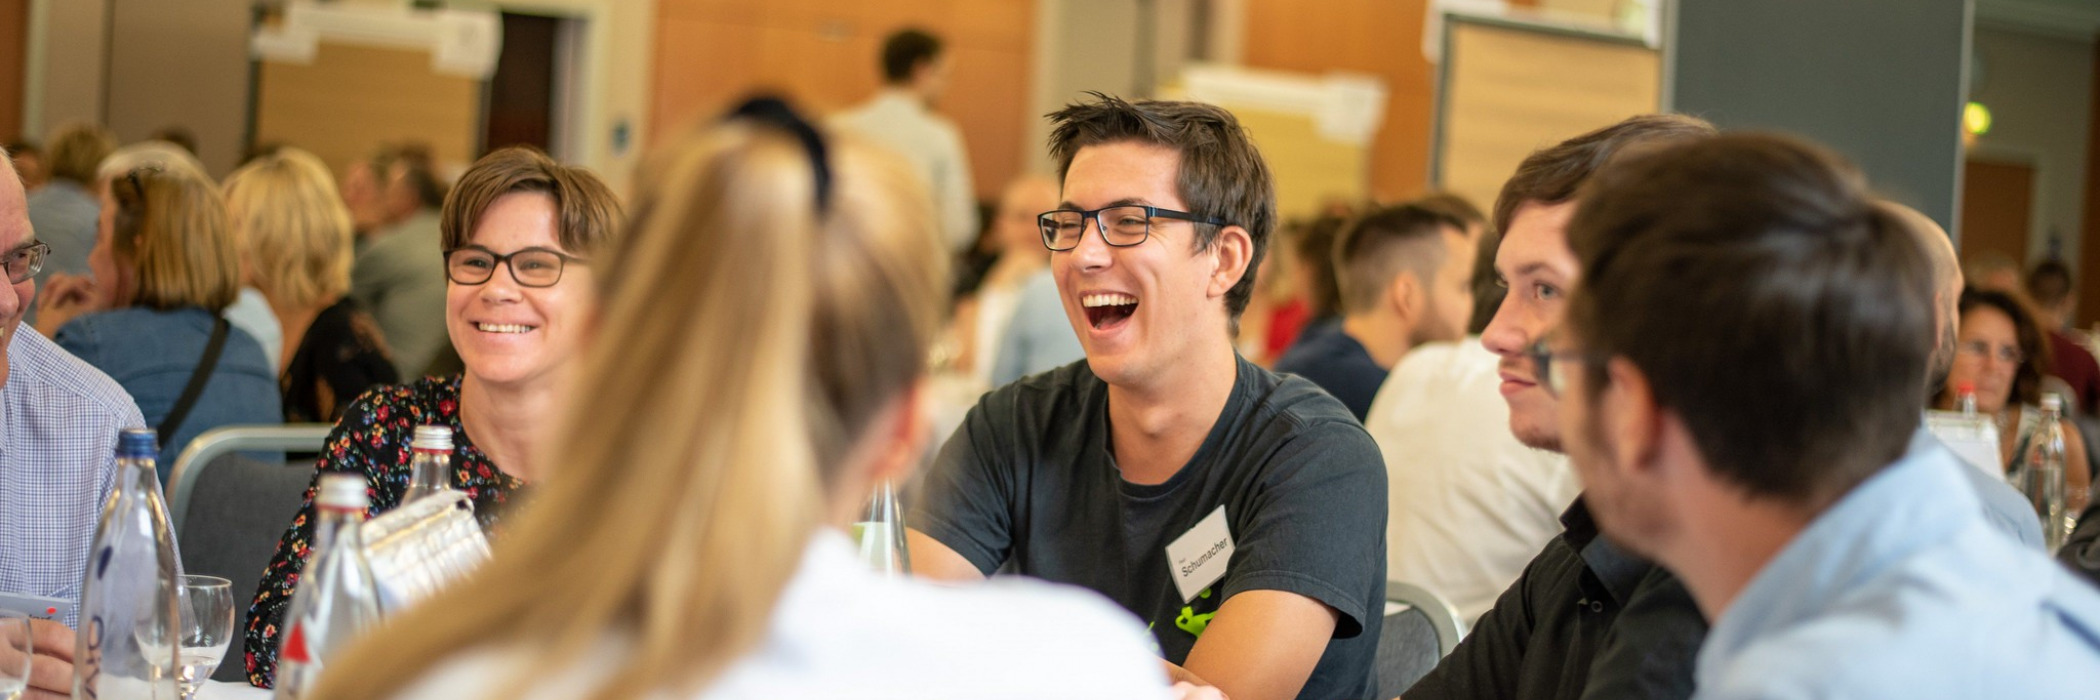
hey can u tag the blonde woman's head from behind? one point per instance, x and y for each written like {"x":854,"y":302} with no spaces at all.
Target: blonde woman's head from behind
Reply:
{"x":752,"y":373}
{"x":293,"y":228}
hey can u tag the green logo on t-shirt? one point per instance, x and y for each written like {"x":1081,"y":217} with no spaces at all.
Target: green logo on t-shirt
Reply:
{"x":1190,"y":621}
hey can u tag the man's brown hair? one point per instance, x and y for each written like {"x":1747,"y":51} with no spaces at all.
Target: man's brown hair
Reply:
{"x":1772,"y":306}
{"x":1554,"y":174}
{"x":1222,"y":175}
{"x":586,"y":213}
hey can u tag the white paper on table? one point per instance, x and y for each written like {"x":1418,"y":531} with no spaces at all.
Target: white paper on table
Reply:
{"x":220,"y":690}
{"x":1972,"y":438}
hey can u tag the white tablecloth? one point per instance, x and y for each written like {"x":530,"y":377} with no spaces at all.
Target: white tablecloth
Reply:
{"x":216,"y":690}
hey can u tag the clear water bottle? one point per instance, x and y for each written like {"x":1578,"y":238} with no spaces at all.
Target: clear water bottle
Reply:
{"x":336,"y":598}
{"x":2041,"y":473}
{"x":129,"y":621}
{"x":430,"y":464}
{"x":1965,"y":399}
{"x":880,"y":533}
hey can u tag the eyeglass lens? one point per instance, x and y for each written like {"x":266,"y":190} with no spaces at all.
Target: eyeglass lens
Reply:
{"x":1123,"y":226}
{"x":532,"y":268}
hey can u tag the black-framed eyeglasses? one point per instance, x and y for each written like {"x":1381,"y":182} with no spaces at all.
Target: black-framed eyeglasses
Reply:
{"x":530,"y":267}
{"x":1121,"y":226}
{"x":1542,"y":360}
{"x":24,"y":262}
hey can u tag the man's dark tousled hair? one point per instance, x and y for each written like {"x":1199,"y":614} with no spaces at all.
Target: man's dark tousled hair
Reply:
{"x":1554,"y":174}
{"x":905,"y":51}
{"x":1772,"y":307}
{"x":1222,"y":175}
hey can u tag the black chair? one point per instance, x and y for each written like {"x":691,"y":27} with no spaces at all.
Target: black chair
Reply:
{"x":229,"y":510}
{"x":1420,"y":628}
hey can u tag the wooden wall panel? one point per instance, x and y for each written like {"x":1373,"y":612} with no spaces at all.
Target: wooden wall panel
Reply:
{"x":1996,"y":209}
{"x":14,"y":56}
{"x":1514,"y":91}
{"x":2089,"y":246}
{"x":1377,"y":37}
{"x":823,"y":53}
{"x":351,"y":99}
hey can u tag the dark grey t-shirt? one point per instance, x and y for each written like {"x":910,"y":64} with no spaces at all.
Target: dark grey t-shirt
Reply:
{"x":1029,"y":485}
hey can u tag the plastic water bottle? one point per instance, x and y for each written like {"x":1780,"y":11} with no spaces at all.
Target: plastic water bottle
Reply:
{"x":880,"y":532}
{"x":2041,"y":473}
{"x":128,"y":616}
{"x":430,"y":465}
{"x":1965,"y":399}
{"x":336,"y":598}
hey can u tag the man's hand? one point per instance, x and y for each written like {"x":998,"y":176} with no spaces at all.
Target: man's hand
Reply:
{"x":51,"y":669}
{"x":63,"y":297}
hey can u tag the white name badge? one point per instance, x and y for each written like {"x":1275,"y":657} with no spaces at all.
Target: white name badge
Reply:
{"x":1974,"y":440}
{"x":1198,"y":557}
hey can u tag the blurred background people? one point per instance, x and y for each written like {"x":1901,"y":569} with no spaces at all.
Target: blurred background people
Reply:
{"x":520,"y":234}
{"x":399,"y":272}
{"x":915,"y":67}
{"x":1404,"y":277}
{"x":2049,"y":286}
{"x":776,"y":286}
{"x":63,"y":211}
{"x":165,"y":266}
{"x":28,"y":159}
{"x":296,"y":238}
{"x":2000,"y":353}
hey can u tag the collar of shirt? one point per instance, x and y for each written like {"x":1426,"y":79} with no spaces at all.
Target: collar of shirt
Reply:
{"x":1909,"y":505}
{"x":1618,"y":570}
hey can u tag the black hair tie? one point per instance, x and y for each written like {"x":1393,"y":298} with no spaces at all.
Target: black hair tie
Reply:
{"x":774,"y":111}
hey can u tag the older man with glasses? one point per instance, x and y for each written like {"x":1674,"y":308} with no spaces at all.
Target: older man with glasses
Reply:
{"x":58,"y":432}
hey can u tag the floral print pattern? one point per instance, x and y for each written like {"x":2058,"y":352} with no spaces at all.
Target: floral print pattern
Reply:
{"x":372,"y":439}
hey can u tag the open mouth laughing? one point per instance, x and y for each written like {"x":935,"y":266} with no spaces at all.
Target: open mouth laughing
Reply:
{"x":1108,"y":309}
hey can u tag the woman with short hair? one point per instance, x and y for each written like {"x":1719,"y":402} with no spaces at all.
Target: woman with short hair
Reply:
{"x":522,"y":234}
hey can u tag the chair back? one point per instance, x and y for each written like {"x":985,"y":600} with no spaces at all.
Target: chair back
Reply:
{"x":229,"y":510}
{"x":1420,"y":628}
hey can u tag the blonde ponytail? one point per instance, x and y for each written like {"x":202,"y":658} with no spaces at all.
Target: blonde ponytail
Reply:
{"x":743,"y":342}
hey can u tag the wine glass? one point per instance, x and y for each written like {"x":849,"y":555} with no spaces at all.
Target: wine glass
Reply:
{"x":15,"y":651}
{"x":207,"y":629}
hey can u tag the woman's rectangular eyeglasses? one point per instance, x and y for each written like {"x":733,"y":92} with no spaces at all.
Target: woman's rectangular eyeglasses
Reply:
{"x":530,"y":267}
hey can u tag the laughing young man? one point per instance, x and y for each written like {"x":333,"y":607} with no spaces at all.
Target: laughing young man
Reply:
{"x":1239,"y":512}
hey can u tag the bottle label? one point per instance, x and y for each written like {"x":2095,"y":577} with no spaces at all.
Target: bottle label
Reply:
{"x":91,"y":660}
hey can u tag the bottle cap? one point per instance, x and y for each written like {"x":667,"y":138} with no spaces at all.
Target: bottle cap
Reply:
{"x":432,"y":437}
{"x":2052,"y":402}
{"x":137,"y":443}
{"x":1965,"y":388}
{"x":346,"y":491}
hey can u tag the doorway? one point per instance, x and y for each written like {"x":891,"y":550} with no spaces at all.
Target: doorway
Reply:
{"x":1997,"y":209}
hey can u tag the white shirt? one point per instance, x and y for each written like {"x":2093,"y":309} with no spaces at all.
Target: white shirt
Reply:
{"x":1470,"y":505}
{"x":840,"y":631}
{"x":899,"y":121}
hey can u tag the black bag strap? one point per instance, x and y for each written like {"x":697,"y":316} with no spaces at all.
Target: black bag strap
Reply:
{"x":198,"y":378}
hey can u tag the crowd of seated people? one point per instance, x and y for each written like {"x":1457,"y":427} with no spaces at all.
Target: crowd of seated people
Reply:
{"x":1652,"y":425}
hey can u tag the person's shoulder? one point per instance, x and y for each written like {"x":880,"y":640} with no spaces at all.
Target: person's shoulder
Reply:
{"x":400,"y":407}
{"x":1298,"y":404}
{"x":1053,"y":391}
{"x":42,"y":370}
{"x":1067,"y":641}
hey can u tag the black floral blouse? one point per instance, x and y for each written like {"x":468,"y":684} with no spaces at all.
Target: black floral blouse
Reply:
{"x":372,"y":438}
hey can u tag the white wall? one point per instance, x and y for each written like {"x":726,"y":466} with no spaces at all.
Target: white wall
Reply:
{"x":2039,"y":91}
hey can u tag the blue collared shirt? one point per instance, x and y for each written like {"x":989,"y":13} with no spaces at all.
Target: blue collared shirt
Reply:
{"x":58,"y":443}
{"x":1903,"y":590}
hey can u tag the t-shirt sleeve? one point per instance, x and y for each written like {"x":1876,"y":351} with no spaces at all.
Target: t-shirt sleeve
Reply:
{"x":1487,"y":663}
{"x":1653,"y":644}
{"x":968,"y":499}
{"x":1316,"y":526}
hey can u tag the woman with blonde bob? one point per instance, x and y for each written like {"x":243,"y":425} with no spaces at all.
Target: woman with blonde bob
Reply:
{"x":165,"y":266}
{"x":295,"y":235}
{"x":755,"y":374}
